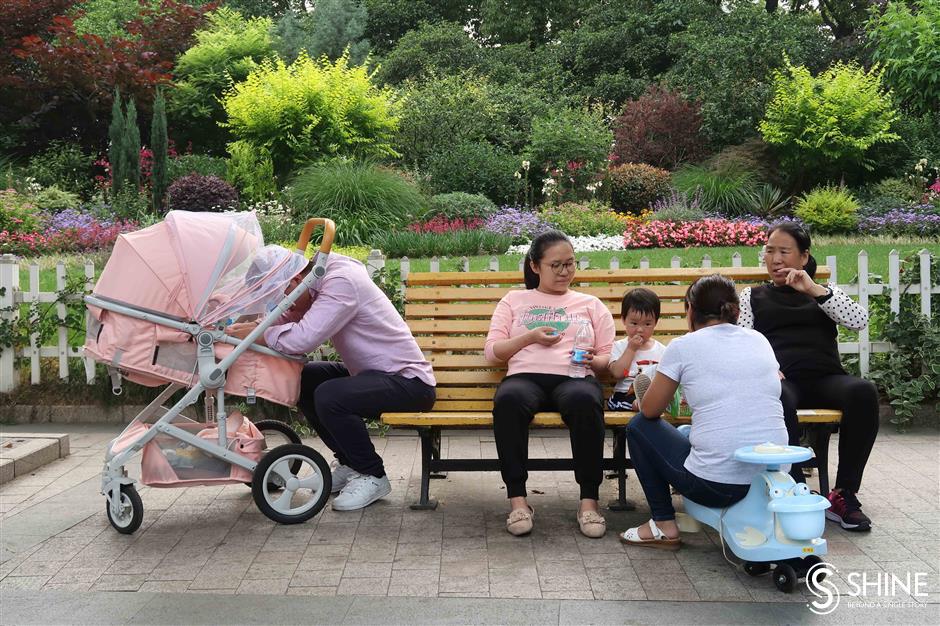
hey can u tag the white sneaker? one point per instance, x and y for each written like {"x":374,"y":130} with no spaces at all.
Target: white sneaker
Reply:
{"x":341,"y":475}
{"x":361,"y":491}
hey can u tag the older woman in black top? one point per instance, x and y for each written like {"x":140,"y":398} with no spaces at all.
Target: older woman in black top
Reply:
{"x":800,"y":318}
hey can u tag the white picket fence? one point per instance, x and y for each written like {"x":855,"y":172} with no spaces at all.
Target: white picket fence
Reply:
{"x":11,"y":295}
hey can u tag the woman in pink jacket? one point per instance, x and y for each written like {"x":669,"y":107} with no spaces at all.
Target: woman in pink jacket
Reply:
{"x":533,"y":332}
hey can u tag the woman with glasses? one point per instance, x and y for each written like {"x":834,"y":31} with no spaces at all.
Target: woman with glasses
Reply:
{"x":800,"y":318}
{"x":533,"y":332}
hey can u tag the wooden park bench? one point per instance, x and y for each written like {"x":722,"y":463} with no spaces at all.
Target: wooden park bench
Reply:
{"x":449,"y":315}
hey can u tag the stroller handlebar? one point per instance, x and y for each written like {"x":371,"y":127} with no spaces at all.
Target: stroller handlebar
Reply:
{"x":329,"y":232}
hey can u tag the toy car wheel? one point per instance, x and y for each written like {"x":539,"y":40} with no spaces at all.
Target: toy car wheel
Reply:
{"x":304,"y":492}
{"x":277,"y":433}
{"x":785,"y":577}
{"x":808,"y":564}
{"x":131,"y":511}
{"x":756,"y":569}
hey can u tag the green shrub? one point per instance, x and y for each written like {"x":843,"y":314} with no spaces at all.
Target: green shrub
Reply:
{"x":457,"y":243}
{"x":311,"y":110}
{"x":769,"y":202}
{"x":227,"y":49}
{"x":727,"y":191}
{"x":202,"y":164}
{"x":635,"y":186}
{"x":127,"y":204}
{"x":828,"y":209}
{"x":754,"y":155}
{"x":54,"y":199}
{"x":65,"y":165}
{"x":475,"y":167}
{"x":251,"y":171}
{"x":17,"y":213}
{"x":570,"y":146}
{"x":586,"y":219}
{"x":824,"y":126}
{"x":907,"y":43}
{"x":460,"y":205}
{"x":361,"y":198}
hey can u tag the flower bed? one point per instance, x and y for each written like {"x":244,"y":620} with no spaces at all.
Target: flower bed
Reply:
{"x":67,"y":231}
{"x":918,"y":220}
{"x":705,"y":233}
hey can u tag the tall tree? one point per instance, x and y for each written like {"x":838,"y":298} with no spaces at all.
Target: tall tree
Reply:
{"x":338,"y":25}
{"x":158,"y":144}
{"x":116,"y":155}
{"x":132,"y":145}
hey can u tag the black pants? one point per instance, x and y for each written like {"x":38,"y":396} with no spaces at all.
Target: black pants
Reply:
{"x":857,"y":398}
{"x":581,"y":404}
{"x":659,"y":452}
{"x":336,"y":403}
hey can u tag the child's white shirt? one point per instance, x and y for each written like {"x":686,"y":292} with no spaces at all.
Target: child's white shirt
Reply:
{"x":653,"y":353}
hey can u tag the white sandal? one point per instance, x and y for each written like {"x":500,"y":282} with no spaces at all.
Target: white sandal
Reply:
{"x":632,"y":537}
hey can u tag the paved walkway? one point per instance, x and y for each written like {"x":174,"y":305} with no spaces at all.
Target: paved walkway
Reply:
{"x":56,"y":538}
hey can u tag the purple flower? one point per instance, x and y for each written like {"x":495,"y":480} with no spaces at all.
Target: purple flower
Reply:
{"x":918,"y":220}
{"x":518,"y":223}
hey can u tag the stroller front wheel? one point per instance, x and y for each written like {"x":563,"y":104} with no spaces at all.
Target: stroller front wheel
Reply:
{"x":291,"y":483}
{"x":131,"y":511}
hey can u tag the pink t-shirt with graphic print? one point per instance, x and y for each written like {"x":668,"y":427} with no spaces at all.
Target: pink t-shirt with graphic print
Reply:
{"x":521,"y":311}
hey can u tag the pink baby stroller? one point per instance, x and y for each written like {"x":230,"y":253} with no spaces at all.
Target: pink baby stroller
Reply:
{"x":158,"y":315}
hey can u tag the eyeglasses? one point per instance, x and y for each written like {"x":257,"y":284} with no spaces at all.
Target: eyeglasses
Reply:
{"x":560,"y":268}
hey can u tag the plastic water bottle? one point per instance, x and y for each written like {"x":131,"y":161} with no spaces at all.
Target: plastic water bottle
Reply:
{"x":583,"y":343}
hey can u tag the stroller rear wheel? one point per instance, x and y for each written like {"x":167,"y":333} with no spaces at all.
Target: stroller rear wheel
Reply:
{"x":290,"y":496}
{"x":132,"y":511}
{"x":277,"y":433}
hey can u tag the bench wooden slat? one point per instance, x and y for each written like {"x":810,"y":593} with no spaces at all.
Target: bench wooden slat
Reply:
{"x":612,"y":293}
{"x":618,"y":276}
{"x":464,"y":309}
{"x":440,"y":343}
{"x":474,"y":419}
{"x":469,"y":377}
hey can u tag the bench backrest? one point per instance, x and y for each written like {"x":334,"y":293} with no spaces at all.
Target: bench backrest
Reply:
{"x":449,"y":314}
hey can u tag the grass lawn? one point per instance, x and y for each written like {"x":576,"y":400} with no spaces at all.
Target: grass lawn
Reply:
{"x":845,"y":249}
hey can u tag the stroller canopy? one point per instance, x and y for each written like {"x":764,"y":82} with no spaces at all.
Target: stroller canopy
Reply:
{"x":202,"y":267}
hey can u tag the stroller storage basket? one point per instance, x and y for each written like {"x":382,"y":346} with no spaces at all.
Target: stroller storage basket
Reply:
{"x":169,"y":462}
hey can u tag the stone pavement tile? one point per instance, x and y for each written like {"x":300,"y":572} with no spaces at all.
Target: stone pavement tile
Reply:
{"x":311,"y":591}
{"x":416,"y":563}
{"x":217,"y":576}
{"x":364,"y":569}
{"x":267,"y":586}
{"x":684,"y":593}
{"x":569,"y":594}
{"x":458,"y":569}
{"x":316,"y":578}
{"x":81,"y":574}
{"x":461,"y":555}
{"x":322,"y":563}
{"x":316,"y":550}
{"x":660,"y":579}
{"x":133,"y":566}
{"x":262,"y":571}
{"x":177,"y":570}
{"x":726,"y":589}
{"x":38,"y":568}
{"x":429,"y":548}
{"x":229,"y":591}
{"x":24,"y":582}
{"x":373,"y":552}
{"x":76,"y":586}
{"x":414,"y":590}
{"x":164,"y":586}
{"x":332,"y":534}
{"x":292,"y":557}
{"x":363,"y":587}
{"x":119,"y":582}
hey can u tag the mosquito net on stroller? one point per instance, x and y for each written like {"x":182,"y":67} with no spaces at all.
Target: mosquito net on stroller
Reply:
{"x":199,"y":268}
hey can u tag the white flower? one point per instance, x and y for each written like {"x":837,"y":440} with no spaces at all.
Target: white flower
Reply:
{"x":517,"y":175}
{"x":525,"y":165}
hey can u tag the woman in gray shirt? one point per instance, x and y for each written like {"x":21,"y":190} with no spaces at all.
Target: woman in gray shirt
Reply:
{"x":729,"y":376}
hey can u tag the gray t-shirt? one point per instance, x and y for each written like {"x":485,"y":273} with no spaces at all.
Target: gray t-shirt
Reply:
{"x":729,"y":377}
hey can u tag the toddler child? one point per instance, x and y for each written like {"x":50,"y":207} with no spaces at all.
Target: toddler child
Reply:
{"x":639,"y":314}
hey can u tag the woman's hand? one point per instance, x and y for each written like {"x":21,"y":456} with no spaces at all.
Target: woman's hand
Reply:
{"x":802,"y":282}
{"x":544,"y":335}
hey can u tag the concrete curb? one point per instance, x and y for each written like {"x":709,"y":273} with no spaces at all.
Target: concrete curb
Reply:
{"x":21,"y":453}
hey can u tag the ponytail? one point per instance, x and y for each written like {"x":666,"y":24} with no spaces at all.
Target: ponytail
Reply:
{"x":810,"y":267}
{"x":528,"y":274}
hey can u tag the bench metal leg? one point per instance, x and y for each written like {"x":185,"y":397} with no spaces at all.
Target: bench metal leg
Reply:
{"x":622,"y":503}
{"x":427,"y":453}
{"x":436,"y":452}
{"x":819,"y":440}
